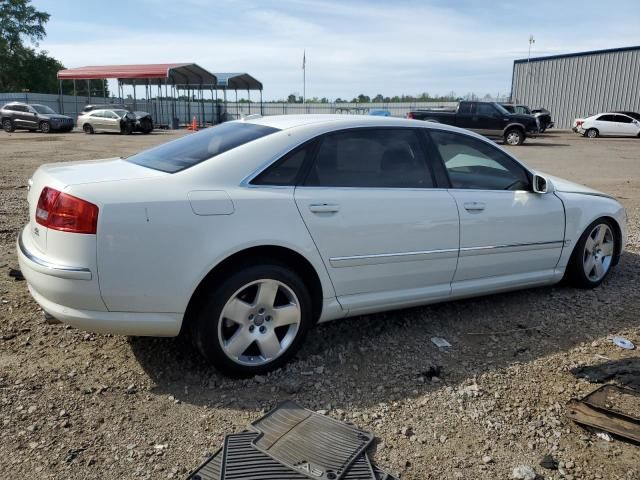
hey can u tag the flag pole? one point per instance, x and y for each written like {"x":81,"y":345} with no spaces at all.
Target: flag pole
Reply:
{"x":304,"y":77}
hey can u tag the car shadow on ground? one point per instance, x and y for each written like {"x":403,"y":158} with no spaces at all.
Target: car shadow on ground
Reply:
{"x":535,"y":143}
{"x":389,"y":356}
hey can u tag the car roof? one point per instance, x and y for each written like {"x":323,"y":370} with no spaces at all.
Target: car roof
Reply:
{"x":284,"y":122}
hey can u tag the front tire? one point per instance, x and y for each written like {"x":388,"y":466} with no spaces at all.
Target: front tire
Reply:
{"x":592,"y":133}
{"x":592,"y":258}
{"x":45,"y":127}
{"x":7,"y":125}
{"x":254,"y":321}
{"x":88,"y":129}
{"x":514,"y":136}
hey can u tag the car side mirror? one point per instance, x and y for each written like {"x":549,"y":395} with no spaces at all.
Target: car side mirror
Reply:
{"x":541,"y":184}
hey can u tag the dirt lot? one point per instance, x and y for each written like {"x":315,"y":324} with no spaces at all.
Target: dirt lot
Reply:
{"x":76,"y":405}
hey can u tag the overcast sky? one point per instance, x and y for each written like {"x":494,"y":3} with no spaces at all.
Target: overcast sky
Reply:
{"x":377,"y":46}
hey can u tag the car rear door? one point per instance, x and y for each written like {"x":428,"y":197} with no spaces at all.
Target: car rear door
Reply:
{"x":22,"y":117}
{"x":605,"y":124}
{"x":508,"y":234}
{"x":385,"y":234}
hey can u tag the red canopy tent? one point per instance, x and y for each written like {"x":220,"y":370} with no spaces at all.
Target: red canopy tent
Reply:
{"x":186,"y":76}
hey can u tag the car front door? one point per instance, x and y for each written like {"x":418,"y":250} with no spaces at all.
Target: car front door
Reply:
{"x":626,"y":126}
{"x":487,"y":119}
{"x":386,"y":236}
{"x":508,"y":235}
{"x":111,"y":121}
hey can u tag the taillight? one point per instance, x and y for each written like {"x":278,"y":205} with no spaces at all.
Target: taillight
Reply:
{"x":410,"y":115}
{"x":60,"y":211}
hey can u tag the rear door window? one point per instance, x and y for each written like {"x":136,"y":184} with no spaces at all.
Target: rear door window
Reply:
{"x":371,"y":158}
{"x":192,"y":149}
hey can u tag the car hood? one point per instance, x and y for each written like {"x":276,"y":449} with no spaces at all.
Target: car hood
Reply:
{"x":566,"y":186}
{"x":55,"y":116}
{"x":141,"y":114}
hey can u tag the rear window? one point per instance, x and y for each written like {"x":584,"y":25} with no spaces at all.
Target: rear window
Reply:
{"x":195,"y":148}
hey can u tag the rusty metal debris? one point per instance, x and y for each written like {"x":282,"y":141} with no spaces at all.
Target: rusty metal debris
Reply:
{"x":610,"y":408}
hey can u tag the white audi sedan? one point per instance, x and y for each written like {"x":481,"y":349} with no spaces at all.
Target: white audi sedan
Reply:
{"x":247,"y":234}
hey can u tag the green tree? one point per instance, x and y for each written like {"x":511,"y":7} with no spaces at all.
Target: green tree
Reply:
{"x":23,"y":67}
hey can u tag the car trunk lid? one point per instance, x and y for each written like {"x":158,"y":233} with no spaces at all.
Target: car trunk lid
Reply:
{"x":59,"y":176}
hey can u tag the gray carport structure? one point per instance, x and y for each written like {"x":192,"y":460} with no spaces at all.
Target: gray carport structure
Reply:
{"x":189,"y":78}
{"x":235,"y":82}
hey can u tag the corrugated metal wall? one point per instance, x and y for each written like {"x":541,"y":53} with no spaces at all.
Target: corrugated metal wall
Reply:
{"x":579,"y":86}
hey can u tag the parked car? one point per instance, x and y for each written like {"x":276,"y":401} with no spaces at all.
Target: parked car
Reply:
{"x":488,"y":118}
{"x":607,"y":124}
{"x":380,"y":112}
{"x":143,"y":120}
{"x":247,"y":234}
{"x":107,"y":120}
{"x":543,"y":115}
{"x":18,"y":115}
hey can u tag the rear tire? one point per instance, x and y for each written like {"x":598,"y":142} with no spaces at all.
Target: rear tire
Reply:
{"x":593,"y":257}
{"x":266,"y":329}
{"x":514,"y":136}
{"x":592,"y":133}
{"x":45,"y":127}
{"x":88,"y":129}
{"x":7,"y":125}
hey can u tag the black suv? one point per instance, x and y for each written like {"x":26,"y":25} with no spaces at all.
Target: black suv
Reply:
{"x":144,"y":121}
{"x":17,"y":115}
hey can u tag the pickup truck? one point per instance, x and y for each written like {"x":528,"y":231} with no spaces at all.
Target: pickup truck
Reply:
{"x":487,"y":118}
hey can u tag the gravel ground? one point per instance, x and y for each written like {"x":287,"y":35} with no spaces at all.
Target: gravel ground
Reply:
{"x":76,"y":405}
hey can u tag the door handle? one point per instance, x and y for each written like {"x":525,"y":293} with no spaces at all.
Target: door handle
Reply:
{"x":474,"y":206}
{"x":324,"y":207}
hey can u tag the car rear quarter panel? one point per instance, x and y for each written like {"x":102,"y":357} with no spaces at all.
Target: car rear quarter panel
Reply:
{"x":580,"y":211}
{"x":153,"y":250}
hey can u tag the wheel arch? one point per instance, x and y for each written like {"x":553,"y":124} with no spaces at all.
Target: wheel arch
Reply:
{"x":511,"y":126}
{"x":618,"y":232}
{"x":291,"y":258}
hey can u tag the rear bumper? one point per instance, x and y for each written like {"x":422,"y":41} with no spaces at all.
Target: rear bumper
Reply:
{"x":117,"y":323}
{"x":72,"y":295}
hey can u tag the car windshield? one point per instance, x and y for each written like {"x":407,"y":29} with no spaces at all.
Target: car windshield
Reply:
{"x":195,"y":148}
{"x":120,"y":113}
{"x":43,"y":109}
{"x":501,"y":109}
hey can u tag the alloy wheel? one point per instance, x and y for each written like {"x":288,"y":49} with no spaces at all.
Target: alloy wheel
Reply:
{"x":513,"y":138}
{"x":598,"y":252}
{"x":259,"y":322}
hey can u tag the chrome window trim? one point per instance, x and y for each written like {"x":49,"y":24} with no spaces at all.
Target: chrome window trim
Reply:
{"x":56,"y":270}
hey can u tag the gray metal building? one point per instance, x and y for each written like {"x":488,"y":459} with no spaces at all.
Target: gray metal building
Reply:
{"x":579,"y":84}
